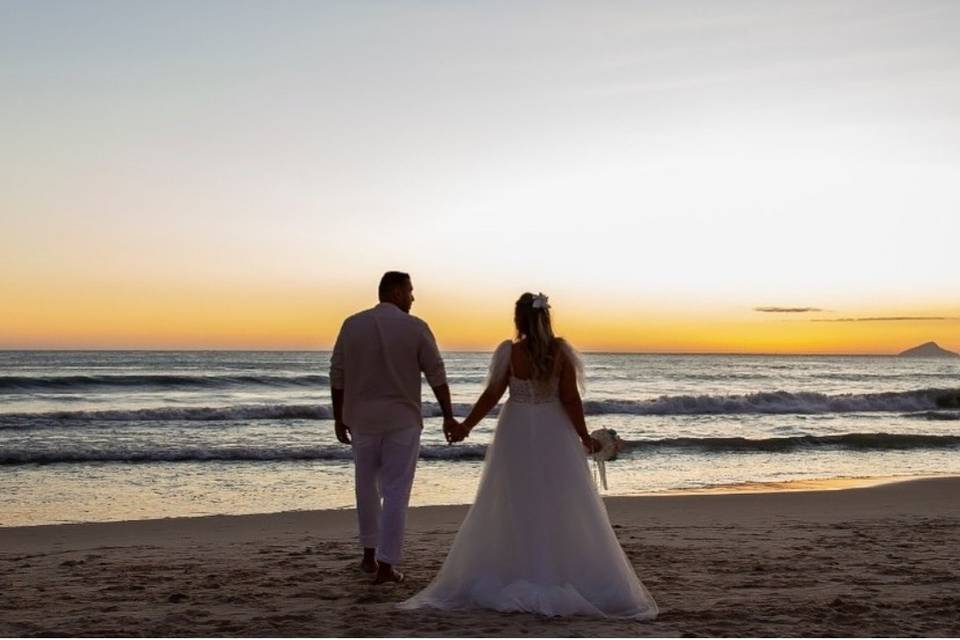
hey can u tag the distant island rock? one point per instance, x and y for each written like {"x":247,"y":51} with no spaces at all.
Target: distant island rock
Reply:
{"x":929,"y":350}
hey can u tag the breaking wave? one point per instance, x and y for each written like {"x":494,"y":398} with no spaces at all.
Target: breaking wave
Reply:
{"x":930,"y":404}
{"x":784,"y":402}
{"x":18,"y":384}
{"x":634,"y":448}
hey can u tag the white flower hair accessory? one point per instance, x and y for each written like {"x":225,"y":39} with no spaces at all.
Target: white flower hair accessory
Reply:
{"x":540,"y":301}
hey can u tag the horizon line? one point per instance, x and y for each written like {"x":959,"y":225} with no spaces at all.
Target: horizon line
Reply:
{"x":477,"y":351}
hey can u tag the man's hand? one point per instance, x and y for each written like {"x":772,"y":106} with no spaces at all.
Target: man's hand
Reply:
{"x":343,"y":432}
{"x":452,"y":430}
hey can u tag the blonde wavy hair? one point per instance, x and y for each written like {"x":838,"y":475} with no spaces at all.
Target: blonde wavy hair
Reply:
{"x":533,"y":323}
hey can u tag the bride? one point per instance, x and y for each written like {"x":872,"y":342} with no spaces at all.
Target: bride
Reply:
{"x":537,"y":537}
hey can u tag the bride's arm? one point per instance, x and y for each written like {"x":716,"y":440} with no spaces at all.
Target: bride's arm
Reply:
{"x":573,"y":405}
{"x":498,"y":378}
{"x":487,"y":401}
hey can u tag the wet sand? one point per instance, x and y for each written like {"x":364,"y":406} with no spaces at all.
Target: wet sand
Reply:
{"x":875,"y":561}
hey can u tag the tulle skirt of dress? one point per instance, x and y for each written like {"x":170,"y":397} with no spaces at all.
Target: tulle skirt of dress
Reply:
{"x":537,"y":538}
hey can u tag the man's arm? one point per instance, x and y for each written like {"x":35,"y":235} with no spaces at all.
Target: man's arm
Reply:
{"x":342,"y":430}
{"x":431,"y":364}
{"x":337,"y":380}
{"x":443,"y":399}
{"x":451,"y":428}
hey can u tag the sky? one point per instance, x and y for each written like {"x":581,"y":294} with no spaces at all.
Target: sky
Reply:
{"x":734,"y":176}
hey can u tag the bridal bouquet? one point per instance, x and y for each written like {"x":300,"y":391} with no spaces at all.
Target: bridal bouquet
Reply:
{"x":611,"y":445}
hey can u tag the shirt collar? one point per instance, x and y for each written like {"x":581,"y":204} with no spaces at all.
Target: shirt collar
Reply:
{"x":388,"y":307}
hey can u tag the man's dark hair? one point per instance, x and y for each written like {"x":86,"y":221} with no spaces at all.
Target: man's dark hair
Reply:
{"x":390,"y":281}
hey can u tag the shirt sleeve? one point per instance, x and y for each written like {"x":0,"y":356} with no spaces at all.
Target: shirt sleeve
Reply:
{"x":431,"y":363}
{"x":336,"y":362}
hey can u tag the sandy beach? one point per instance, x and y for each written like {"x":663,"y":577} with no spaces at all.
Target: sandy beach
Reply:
{"x":876,"y":561}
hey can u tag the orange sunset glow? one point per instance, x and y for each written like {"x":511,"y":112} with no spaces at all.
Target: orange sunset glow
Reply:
{"x":247,"y":192}
{"x":222,"y":318}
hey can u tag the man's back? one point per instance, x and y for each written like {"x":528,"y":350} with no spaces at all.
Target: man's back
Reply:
{"x":377,"y":361}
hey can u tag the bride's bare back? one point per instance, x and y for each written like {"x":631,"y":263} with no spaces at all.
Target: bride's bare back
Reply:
{"x":520,"y":360}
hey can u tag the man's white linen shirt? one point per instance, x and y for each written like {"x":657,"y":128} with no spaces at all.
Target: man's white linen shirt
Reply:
{"x":377,"y":361}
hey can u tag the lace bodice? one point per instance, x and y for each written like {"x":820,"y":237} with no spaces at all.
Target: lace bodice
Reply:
{"x":532,"y":391}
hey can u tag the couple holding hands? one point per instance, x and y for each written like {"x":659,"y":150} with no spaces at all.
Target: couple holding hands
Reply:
{"x":537,"y":537}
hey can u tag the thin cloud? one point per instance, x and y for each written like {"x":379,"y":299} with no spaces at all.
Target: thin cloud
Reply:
{"x":889,"y":319}
{"x":788,"y":309}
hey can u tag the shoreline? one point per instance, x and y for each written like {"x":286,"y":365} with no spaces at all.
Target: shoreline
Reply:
{"x":838,"y":483}
{"x":745,"y":488}
{"x":867,"y":561}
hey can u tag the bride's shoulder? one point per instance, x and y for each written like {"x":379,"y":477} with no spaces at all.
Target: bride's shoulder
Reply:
{"x":565,"y":350}
{"x":503,"y":352}
{"x":563,"y":345}
{"x":500,"y":362}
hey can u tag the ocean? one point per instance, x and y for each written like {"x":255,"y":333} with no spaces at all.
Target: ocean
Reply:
{"x":117,"y":435}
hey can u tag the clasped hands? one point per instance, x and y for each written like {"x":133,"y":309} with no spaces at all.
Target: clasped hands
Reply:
{"x":454,"y":431}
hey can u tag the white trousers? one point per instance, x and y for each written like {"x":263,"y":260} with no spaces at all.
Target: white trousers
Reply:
{"x":384,"y":465}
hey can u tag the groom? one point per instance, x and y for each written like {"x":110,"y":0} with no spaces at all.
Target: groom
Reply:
{"x":375,"y":387}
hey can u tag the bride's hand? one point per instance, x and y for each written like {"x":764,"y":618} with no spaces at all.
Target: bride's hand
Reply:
{"x":591,"y":444}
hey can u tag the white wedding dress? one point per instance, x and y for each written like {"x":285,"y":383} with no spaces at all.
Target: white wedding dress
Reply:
{"x":537,"y":538}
